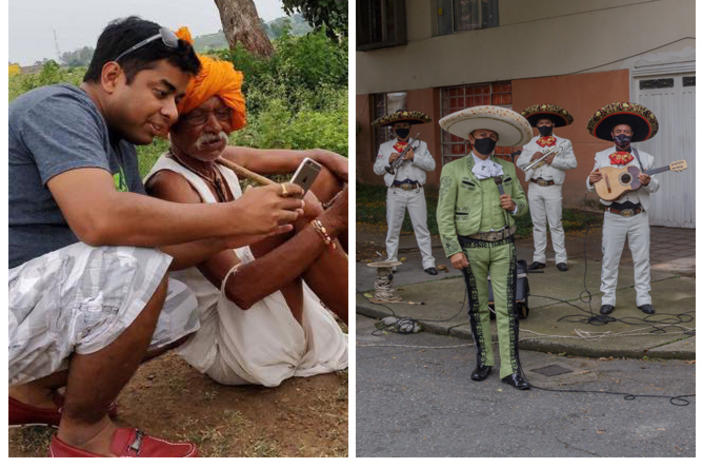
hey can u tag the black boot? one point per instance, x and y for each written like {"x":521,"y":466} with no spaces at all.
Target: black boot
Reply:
{"x":480,"y":373}
{"x":481,"y":370}
{"x":517,"y":380}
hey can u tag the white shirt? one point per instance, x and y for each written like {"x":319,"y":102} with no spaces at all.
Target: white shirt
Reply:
{"x":637,"y":196}
{"x":413,"y":170}
{"x":556,"y":170}
{"x":484,"y":168}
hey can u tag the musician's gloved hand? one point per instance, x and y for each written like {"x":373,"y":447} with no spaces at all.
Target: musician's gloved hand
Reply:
{"x":644,"y":179}
{"x":595,"y":177}
{"x":507,"y":203}
{"x":536,"y":156}
{"x":394,"y":156}
{"x":459,"y":261}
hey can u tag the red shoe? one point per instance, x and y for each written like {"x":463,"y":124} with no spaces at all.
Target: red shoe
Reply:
{"x":128,"y":442}
{"x":22,"y":414}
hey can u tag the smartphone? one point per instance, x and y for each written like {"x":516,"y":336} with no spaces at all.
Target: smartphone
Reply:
{"x":306,"y":173}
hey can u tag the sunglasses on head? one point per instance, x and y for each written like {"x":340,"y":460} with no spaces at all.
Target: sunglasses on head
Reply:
{"x":168,"y":37}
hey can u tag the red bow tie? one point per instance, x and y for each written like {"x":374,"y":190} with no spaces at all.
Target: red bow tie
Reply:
{"x":546,"y":141}
{"x":399,"y":146}
{"x":620,"y":158}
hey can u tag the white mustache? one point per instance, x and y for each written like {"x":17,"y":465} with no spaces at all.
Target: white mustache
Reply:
{"x":209,"y":137}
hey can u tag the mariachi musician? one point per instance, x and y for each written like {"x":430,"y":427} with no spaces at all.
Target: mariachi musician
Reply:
{"x":627,"y":216}
{"x":478,"y":199}
{"x":403,"y":162}
{"x":545,"y":178}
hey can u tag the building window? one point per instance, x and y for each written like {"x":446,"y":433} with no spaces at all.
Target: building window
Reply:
{"x":380,"y":23}
{"x":455,"y":98}
{"x":656,"y":83}
{"x":451,"y":16}
{"x":379,"y":102}
{"x":688,"y":81}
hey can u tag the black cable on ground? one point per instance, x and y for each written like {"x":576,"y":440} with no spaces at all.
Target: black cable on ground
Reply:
{"x":675,"y":400}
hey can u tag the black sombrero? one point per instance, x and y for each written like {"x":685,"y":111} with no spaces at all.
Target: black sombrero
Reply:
{"x":557,"y":114}
{"x":641,"y":120}
{"x":403,"y":115}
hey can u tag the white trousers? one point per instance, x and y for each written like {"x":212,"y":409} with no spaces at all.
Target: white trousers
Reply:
{"x":413,"y":200}
{"x":615,"y":231}
{"x":545,"y":205}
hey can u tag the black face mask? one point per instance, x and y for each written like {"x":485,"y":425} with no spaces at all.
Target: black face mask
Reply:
{"x":545,"y":130}
{"x":402,"y":132}
{"x":484,"y":145}
{"x":622,"y":141}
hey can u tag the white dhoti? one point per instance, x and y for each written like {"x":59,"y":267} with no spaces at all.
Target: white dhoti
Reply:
{"x":545,"y":205}
{"x":615,"y":231}
{"x":414,"y":202}
{"x":261,"y":345}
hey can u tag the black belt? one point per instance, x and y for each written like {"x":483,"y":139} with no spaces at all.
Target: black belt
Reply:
{"x":489,"y":236}
{"x":626,"y":211}
{"x":542,"y":182}
{"x":406,"y":184}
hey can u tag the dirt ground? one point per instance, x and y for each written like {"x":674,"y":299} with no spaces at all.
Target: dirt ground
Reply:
{"x":303,"y":417}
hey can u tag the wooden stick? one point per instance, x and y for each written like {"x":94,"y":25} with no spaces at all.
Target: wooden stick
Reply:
{"x":243,"y":172}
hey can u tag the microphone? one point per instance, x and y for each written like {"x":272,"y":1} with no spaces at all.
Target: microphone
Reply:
{"x":498,"y":181}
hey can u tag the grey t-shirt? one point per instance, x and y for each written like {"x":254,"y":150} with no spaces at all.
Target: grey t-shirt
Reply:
{"x":55,"y":129}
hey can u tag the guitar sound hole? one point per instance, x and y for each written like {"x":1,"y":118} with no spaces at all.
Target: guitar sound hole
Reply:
{"x":625,"y":178}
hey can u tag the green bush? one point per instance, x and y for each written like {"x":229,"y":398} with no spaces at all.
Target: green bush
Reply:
{"x":51,"y":73}
{"x":295,"y":99}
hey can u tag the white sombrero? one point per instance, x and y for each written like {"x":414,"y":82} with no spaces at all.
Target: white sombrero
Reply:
{"x":512,"y":129}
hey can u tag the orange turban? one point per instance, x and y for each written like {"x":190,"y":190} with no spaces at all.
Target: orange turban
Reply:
{"x":216,"y":78}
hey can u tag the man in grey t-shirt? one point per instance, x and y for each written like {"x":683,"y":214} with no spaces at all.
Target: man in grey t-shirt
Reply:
{"x":89,"y":296}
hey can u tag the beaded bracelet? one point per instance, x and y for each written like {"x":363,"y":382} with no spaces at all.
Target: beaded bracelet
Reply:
{"x":322,"y":231}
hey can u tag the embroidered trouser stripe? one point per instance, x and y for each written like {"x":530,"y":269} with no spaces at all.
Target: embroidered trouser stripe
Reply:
{"x":481,"y":344}
{"x":498,"y":259}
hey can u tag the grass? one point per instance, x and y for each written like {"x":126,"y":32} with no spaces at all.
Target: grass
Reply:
{"x":370,"y":209}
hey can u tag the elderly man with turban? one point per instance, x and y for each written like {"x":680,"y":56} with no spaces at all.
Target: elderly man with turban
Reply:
{"x":262,"y":319}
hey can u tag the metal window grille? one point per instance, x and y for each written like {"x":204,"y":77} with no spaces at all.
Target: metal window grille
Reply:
{"x":455,"y":98}
{"x":380,"y":134}
{"x":452,"y":16}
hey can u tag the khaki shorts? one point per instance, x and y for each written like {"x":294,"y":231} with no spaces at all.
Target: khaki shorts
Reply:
{"x":81,"y":298}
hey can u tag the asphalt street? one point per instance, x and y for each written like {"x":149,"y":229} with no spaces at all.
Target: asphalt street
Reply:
{"x":414,"y":401}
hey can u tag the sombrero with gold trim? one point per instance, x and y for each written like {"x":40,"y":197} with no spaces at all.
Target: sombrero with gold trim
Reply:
{"x":557,"y":114}
{"x":512,"y":129}
{"x":641,"y":120}
{"x":403,"y":115}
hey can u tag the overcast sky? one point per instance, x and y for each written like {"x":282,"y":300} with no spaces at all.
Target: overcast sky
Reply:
{"x":78,"y":23}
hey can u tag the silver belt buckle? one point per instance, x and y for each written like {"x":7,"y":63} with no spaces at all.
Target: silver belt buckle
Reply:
{"x":627,"y":212}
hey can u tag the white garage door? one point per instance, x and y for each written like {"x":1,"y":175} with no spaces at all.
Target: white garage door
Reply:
{"x":672,"y":99}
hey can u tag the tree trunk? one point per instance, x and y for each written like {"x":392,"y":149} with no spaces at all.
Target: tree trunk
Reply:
{"x":241,"y":23}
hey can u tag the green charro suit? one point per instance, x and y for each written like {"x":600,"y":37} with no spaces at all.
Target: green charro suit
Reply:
{"x":468,"y":206}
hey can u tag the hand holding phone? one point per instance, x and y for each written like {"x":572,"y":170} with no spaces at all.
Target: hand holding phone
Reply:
{"x":306,"y":173}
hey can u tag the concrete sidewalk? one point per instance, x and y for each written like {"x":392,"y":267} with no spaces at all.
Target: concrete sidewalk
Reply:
{"x":558,"y":303}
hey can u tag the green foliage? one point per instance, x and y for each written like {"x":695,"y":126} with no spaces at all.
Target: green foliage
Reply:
{"x":51,"y":73}
{"x":295,"y":99}
{"x":328,"y":15}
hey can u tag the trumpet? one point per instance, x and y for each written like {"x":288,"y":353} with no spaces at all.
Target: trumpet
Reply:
{"x":537,"y":163}
{"x":401,"y":158}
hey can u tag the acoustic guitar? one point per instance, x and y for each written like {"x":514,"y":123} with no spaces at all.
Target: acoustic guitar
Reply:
{"x":616,"y":181}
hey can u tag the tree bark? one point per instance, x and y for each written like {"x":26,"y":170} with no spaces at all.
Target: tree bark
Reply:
{"x":241,"y":24}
